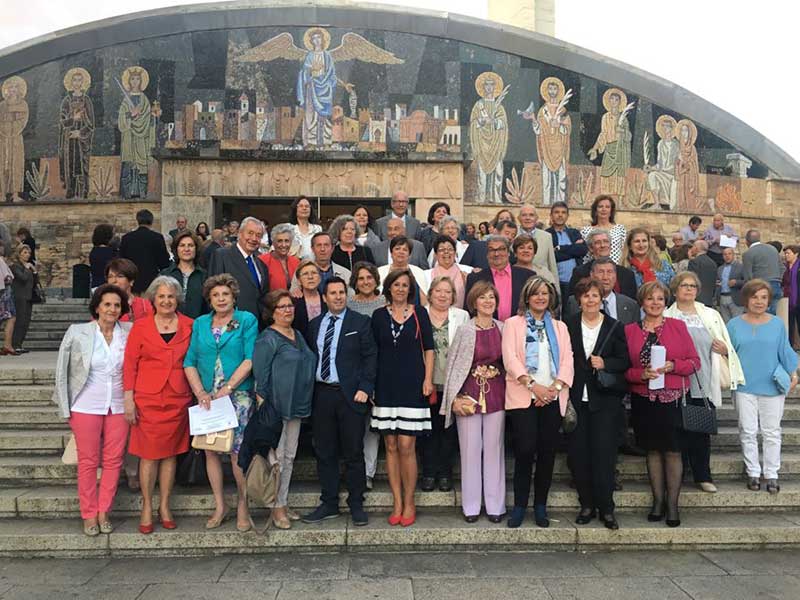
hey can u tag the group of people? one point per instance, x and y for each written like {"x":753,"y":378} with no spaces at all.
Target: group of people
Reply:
{"x":407,"y":332}
{"x":19,"y":288}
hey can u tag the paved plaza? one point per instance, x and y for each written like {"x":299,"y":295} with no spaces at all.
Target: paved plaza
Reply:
{"x":656,"y":575}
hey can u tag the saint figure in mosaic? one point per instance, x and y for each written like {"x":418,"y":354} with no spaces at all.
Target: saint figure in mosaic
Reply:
{"x":552,"y":127}
{"x":76,"y":123}
{"x":614,"y":143}
{"x":687,"y":169}
{"x":13,"y":119}
{"x":661,"y":176}
{"x":488,"y":135}
{"x":317,"y":80}
{"x":137,"y":124}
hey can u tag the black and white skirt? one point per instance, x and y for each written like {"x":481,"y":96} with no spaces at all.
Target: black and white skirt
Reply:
{"x":401,"y":420}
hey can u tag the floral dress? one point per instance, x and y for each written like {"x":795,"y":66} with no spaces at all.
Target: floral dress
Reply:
{"x":242,"y":399}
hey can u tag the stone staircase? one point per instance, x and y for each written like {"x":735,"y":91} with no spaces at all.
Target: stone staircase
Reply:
{"x":49,"y":321}
{"x":39,"y":513}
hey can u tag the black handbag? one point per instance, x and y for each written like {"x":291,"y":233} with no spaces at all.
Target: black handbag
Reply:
{"x":38,"y":295}
{"x":698,"y":418}
{"x":610,"y":382}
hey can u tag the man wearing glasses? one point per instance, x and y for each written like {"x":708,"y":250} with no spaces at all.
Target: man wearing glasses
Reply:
{"x":399,"y":211}
{"x":599,"y":243}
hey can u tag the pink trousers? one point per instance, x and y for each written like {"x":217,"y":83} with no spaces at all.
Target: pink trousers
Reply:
{"x":95,"y":434}
{"x":481,"y":439}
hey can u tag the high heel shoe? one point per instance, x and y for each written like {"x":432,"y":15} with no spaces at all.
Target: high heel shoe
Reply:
{"x":167,"y":523}
{"x":409,"y":521}
{"x":146,"y":529}
{"x":215,"y":522}
{"x":676,"y":522}
{"x":395,"y":519}
{"x":653,"y":516}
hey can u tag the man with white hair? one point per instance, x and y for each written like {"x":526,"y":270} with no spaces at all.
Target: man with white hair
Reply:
{"x":706,"y":270}
{"x":241,"y":261}
{"x":713,"y":236}
{"x":599,"y":242}
{"x":399,"y":211}
{"x":545,"y":253}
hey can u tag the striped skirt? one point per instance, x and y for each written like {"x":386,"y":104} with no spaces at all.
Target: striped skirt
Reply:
{"x":401,"y":420}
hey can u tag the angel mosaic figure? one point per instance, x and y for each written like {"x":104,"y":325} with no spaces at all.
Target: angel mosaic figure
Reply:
{"x":317,"y":80}
{"x":137,"y":124}
{"x":13,"y":119}
{"x":488,"y":135}
{"x":76,"y":123}
{"x":687,"y":169}
{"x":552,"y":126}
{"x":614,"y":143}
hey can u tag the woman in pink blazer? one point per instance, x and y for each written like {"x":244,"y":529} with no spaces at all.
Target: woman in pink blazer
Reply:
{"x":655,"y":413}
{"x":537,"y":355}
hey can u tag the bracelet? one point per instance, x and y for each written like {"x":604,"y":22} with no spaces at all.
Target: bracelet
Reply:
{"x":228,"y":385}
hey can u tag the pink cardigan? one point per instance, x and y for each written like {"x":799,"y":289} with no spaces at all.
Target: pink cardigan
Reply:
{"x":514,"y":332}
{"x":680,"y":350}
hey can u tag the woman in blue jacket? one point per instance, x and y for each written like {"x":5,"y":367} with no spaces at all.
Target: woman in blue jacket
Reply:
{"x":219,"y":363}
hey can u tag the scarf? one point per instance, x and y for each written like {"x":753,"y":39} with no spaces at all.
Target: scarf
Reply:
{"x":454,"y":273}
{"x":644,"y":267}
{"x":535,"y":333}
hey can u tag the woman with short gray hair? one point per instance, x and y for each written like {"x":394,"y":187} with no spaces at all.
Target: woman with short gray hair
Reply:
{"x":280,"y":263}
{"x":344,"y":232}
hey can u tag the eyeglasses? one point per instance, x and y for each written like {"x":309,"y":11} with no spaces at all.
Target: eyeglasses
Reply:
{"x":445,"y":250}
{"x":688,"y":286}
{"x":502,"y":250}
{"x":286,"y":307}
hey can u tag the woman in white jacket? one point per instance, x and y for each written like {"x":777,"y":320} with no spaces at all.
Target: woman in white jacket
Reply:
{"x":719,"y":366}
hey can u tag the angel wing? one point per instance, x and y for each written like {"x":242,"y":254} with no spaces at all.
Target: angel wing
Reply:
{"x":280,"y":46}
{"x":355,"y":47}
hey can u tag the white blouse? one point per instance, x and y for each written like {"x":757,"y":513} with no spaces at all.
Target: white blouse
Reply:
{"x":103,"y":390}
{"x":589,"y":335}
{"x":544,"y":375}
{"x":303,"y":240}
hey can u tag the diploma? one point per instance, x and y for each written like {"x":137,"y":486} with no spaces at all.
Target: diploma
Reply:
{"x":219,"y":417}
{"x":658,"y":356}
{"x":728,"y":241}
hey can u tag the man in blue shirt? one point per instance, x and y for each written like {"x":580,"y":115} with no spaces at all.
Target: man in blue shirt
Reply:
{"x":345,"y":380}
{"x":569,"y":245}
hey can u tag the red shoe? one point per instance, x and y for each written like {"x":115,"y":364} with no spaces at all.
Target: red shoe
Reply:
{"x":146,"y":529}
{"x":408,"y":522}
{"x":167,"y":524}
{"x":395,"y":519}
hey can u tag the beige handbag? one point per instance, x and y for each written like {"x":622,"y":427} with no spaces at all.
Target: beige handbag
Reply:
{"x":70,"y":456}
{"x":724,"y":373}
{"x":263,"y":477}
{"x":220,"y":441}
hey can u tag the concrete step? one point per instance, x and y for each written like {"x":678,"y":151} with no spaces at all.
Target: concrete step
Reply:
{"x":18,"y":370}
{"x":42,"y":345}
{"x":433,"y":531}
{"x":54,"y":502}
{"x":45,"y":470}
{"x":32,"y":442}
{"x":21,"y":416}
{"x":38,"y":335}
{"x":39,"y":395}
{"x":728,"y":437}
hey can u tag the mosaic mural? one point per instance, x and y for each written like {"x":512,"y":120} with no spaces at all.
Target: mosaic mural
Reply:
{"x":88,"y":126}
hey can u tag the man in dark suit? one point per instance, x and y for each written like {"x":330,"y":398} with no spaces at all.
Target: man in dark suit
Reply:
{"x":396,"y":228}
{"x":705,"y":268}
{"x":146,"y":249}
{"x":475,"y":255}
{"x":217,"y":242}
{"x":345,"y":381}
{"x":508,"y":280}
{"x":241,"y":261}
{"x":399,"y":211}
{"x":180,"y":225}
{"x":617,"y":306}
{"x":730,"y":279}
{"x":568,"y":245}
{"x":599,"y":244}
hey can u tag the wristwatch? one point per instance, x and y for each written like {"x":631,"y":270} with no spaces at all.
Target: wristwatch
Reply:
{"x":559,"y":386}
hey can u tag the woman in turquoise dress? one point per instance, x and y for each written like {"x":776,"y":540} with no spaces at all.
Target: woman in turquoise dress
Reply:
{"x":219,"y":363}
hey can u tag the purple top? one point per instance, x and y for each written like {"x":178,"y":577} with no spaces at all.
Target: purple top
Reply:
{"x":488,"y":351}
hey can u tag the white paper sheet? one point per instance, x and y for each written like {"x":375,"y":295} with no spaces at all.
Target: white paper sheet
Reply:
{"x":728,"y":241}
{"x":219,"y":417}
{"x":658,"y":356}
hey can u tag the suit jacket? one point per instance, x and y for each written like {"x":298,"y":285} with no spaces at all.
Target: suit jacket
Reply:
{"x":545,"y":253}
{"x":356,"y":356}
{"x":627,"y":309}
{"x":418,"y":258}
{"x":74,"y":362}
{"x":614,"y":355}
{"x":476,"y":255}
{"x":148,"y":251}
{"x":515,"y":330}
{"x":251,"y":296}
{"x":519,"y":276}
{"x":737,"y":273}
{"x":413,"y":227}
{"x":573,"y":251}
{"x":625,"y":279}
{"x":150,"y":362}
{"x":301,"y":320}
{"x":762,"y":261}
{"x":706,"y":270}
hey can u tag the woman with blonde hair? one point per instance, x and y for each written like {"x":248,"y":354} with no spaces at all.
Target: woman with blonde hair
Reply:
{"x":641,"y":255}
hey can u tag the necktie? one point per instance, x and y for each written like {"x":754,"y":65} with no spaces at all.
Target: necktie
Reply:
{"x":252,"y":266}
{"x":605,"y":308}
{"x":325,"y":371}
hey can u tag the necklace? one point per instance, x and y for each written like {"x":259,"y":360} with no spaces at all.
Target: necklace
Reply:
{"x":484,"y":327}
{"x":397,"y":331}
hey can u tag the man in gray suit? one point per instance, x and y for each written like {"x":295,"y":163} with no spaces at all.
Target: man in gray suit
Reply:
{"x":545,"y":253}
{"x":730,"y":279}
{"x":399,"y":211}
{"x":762,"y":261}
{"x":705,"y":268}
{"x":617,"y":306}
{"x":395,"y":228}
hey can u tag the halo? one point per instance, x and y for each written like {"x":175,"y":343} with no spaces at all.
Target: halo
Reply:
{"x":498,"y":83}
{"x":21,"y":84}
{"x":126,"y":78}
{"x":692,"y":130}
{"x":326,"y":38}
{"x":87,"y":79}
{"x":623,"y":98}
{"x":547,"y":81}
{"x":663,"y":120}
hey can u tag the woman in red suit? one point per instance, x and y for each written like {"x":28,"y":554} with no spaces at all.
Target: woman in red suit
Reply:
{"x":157,"y":396}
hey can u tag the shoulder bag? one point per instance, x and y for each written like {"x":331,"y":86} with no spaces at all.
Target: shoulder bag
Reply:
{"x":610,"y":382}
{"x":698,"y":418}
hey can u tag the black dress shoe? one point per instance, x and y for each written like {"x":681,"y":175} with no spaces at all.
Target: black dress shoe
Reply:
{"x":540,"y":516}
{"x":321,"y":513}
{"x":471,"y":518}
{"x":585,"y":517}
{"x":358,"y":516}
{"x":495,"y":518}
{"x":428,"y":484}
{"x":446,"y":484}
{"x":673,"y":522}
{"x":610,"y":522}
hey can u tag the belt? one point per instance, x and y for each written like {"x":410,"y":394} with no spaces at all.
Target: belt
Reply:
{"x":334,"y":386}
